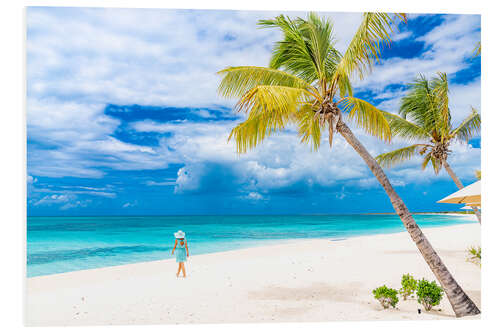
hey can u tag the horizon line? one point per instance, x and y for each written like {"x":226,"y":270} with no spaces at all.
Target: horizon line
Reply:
{"x":313,"y":214}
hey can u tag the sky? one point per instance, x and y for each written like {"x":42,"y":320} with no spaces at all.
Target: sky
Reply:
{"x":123,"y":116}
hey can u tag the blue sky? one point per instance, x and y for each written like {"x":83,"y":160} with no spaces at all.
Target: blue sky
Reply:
{"x":123,"y":116}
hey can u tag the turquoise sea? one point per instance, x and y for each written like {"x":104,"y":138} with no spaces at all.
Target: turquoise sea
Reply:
{"x":63,"y":244}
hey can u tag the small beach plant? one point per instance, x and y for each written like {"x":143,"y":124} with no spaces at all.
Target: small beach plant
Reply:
{"x":429,"y":294}
{"x":386,"y":296}
{"x":308,"y":85}
{"x":425,"y":120}
{"x":408,"y":286}
{"x":474,"y":255}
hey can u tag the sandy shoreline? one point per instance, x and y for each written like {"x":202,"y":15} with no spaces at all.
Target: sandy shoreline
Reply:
{"x":307,"y":280}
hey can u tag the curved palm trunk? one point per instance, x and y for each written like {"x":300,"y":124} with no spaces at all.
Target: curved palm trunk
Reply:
{"x":461,"y":303}
{"x":460,"y":186}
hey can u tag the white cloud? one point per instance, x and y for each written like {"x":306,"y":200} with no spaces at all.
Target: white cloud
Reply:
{"x":130,"y":204}
{"x":254,"y":196}
{"x":75,"y":204}
{"x":53,"y":199}
{"x":64,"y":201}
{"x":281,"y":161}
{"x":128,"y":56}
{"x":463,"y":97}
{"x":169,"y":58}
{"x":398,"y":35}
{"x":67,"y":196}
{"x":166,"y":182}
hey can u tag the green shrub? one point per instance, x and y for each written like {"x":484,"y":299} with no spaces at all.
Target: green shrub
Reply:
{"x":408,"y":286}
{"x":386,"y":296}
{"x":475,"y":255}
{"x":429,"y":294}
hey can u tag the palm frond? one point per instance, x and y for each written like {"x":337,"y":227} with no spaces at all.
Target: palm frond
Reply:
{"x":405,"y":129}
{"x":436,"y":164}
{"x":419,"y":105}
{"x":308,"y":126}
{"x":426,"y":161}
{"x":253,"y":131}
{"x":236,"y":81}
{"x":343,"y":84}
{"x":366,"y":116}
{"x":366,"y":44}
{"x":279,"y":100}
{"x":439,"y":86}
{"x":307,"y":47}
{"x":468,"y":128}
{"x":397,"y":156}
{"x":270,"y":109}
{"x":318,"y":35}
{"x":291,"y":53}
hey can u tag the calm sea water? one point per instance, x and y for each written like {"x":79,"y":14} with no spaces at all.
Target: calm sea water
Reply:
{"x":63,"y":244}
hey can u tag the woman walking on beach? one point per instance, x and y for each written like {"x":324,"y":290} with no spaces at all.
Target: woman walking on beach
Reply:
{"x":181,"y":251}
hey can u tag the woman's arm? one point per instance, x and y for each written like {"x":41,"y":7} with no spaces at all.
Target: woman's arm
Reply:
{"x":175,"y":245}
{"x":187,"y":251}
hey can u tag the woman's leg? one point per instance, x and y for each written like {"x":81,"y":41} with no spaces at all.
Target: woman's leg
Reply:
{"x":179,"y":269}
{"x":183,"y":269}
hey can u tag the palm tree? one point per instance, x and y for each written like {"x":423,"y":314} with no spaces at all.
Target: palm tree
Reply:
{"x":426,"y":118}
{"x":308,"y":85}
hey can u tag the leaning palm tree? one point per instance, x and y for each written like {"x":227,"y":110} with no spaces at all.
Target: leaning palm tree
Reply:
{"x":308,"y":85}
{"x":426,"y":118}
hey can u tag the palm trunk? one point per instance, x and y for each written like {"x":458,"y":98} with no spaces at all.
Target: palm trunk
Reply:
{"x":461,"y":303}
{"x":460,"y":186}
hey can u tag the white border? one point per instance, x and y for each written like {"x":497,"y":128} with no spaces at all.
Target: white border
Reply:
{"x":13,"y":156}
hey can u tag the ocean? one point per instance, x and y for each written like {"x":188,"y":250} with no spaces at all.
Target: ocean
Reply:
{"x":64,"y":244}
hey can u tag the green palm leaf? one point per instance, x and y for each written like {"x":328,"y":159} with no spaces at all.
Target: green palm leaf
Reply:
{"x":436,"y":164}
{"x":405,"y":129}
{"x":278,"y":100}
{"x":253,"y":131}
{"x":308,"y":125}
{"x":307,"y":47}
{"x":236,"y":81}
{"x":439,"y":86}
{"x":398,"y":156}
{"x":426,"y":160}
{"x":270,"y":109}
{"x":366,"y":44}
{"x":366,"y":116}
{"x":419,"y":104}
{"x":468,"y":128}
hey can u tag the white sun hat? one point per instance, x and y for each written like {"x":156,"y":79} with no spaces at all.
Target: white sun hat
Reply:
{"x":179,"y":234}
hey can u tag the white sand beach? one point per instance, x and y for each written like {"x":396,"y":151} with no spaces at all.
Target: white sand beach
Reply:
{"x":302,"y":281}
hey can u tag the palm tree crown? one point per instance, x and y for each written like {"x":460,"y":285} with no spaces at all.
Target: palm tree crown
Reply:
{"x":426,"y":118}
{"x":307,"y":82}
